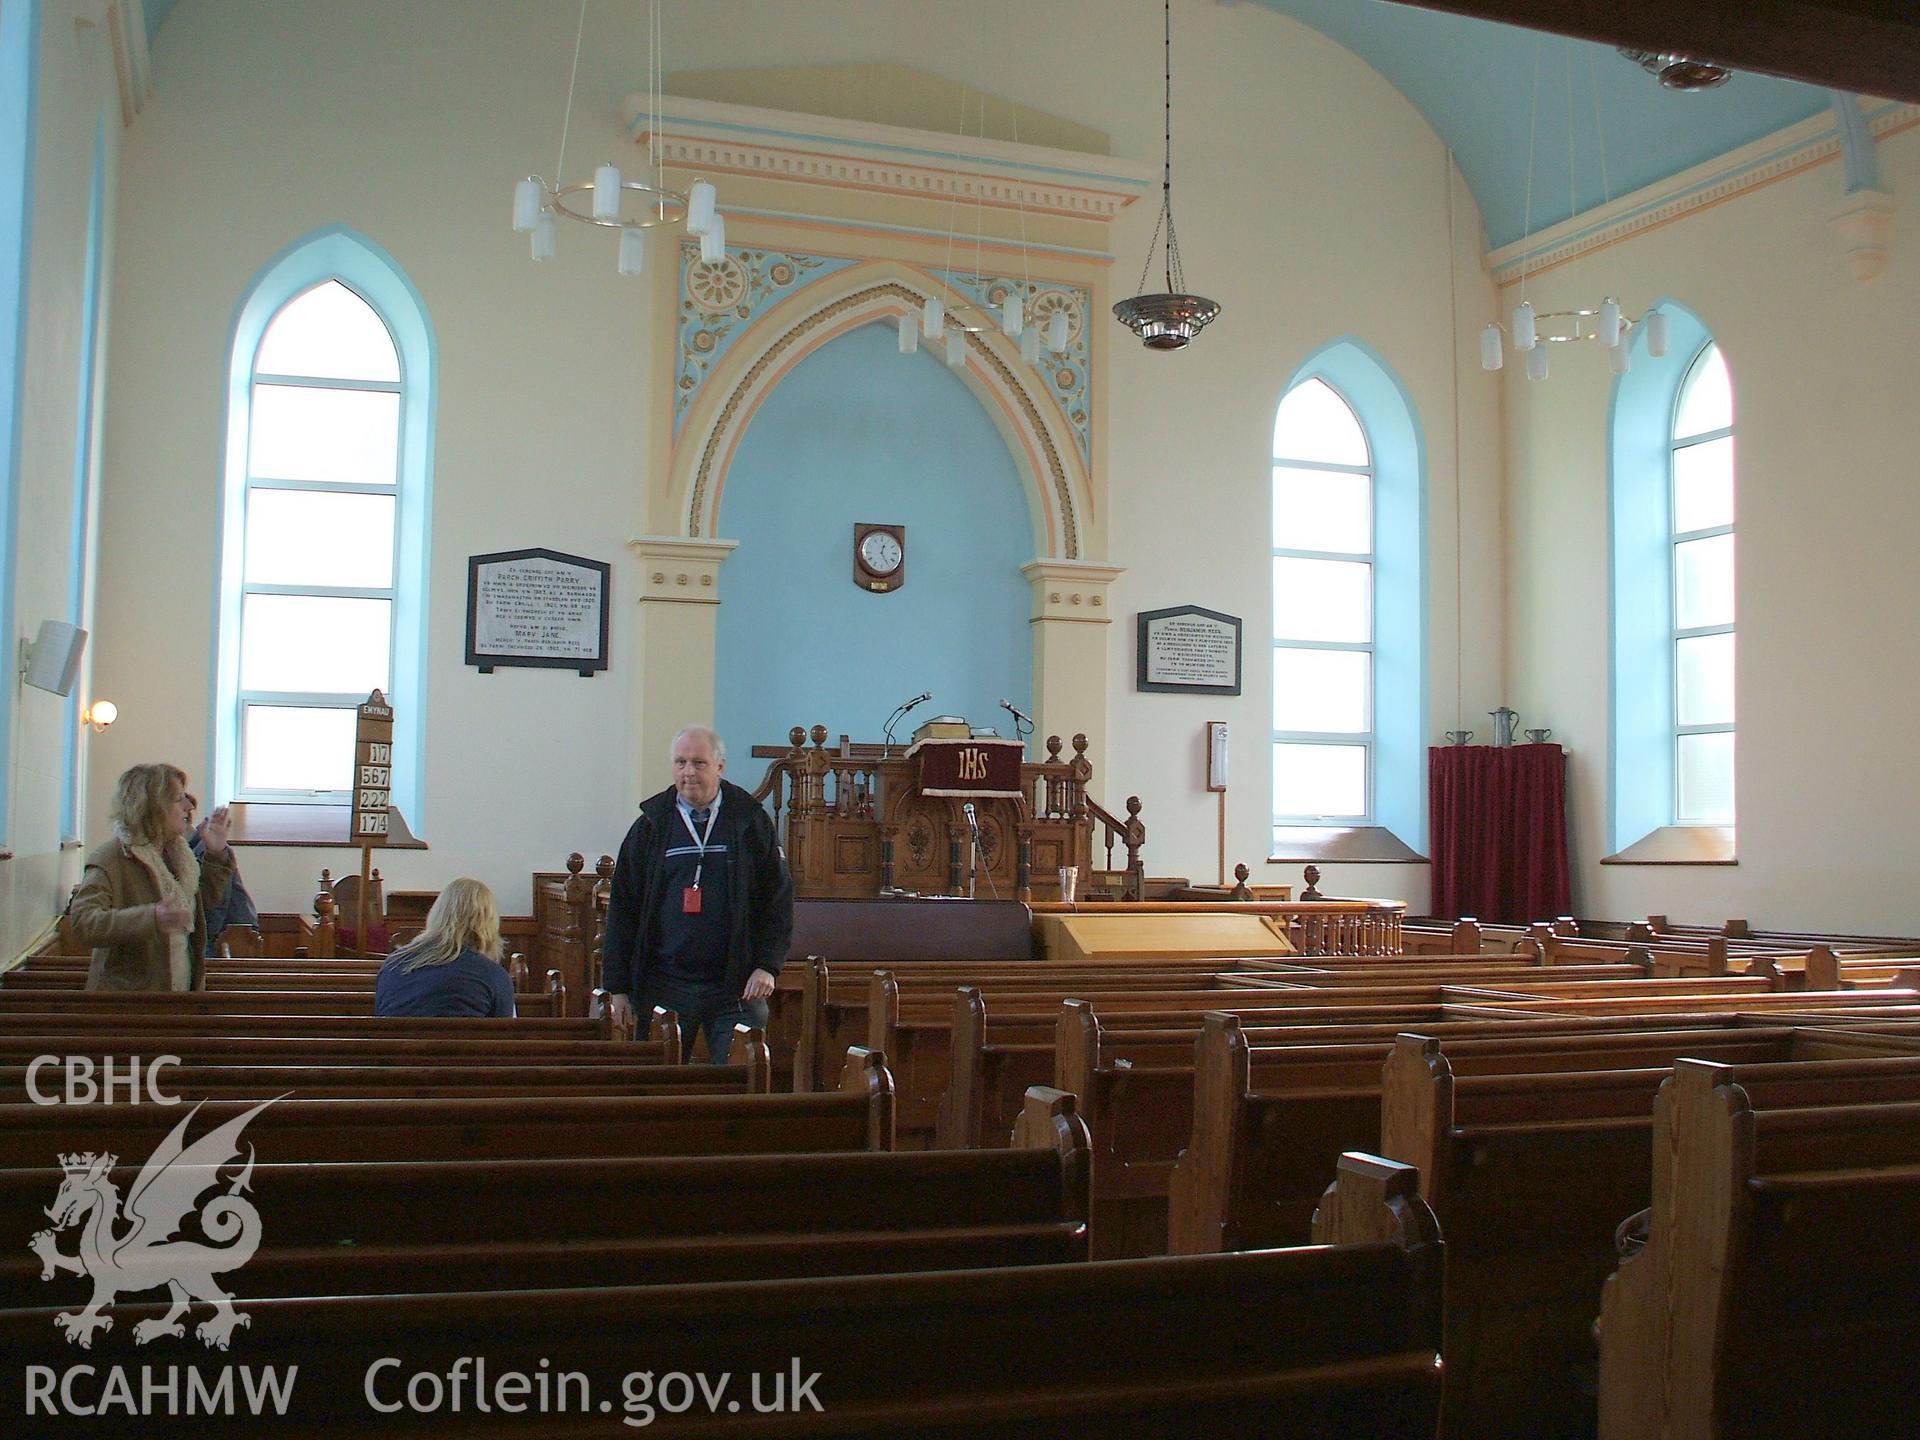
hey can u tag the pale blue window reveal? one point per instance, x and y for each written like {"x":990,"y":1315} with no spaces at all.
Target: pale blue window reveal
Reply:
{"x":1348,"y":622}
{"x":325,"y":515}
{"x":86,"y":471}
{"x":19,"y":47}
{"x":1673,"y":485}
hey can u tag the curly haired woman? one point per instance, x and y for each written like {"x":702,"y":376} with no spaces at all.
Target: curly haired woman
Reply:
{"x":142,"y":899}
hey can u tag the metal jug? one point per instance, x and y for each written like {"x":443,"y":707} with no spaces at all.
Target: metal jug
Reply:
{"x":1504,"y":721}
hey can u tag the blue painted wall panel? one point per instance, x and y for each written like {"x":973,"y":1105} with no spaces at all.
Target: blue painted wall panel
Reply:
{"x":858,"y":432}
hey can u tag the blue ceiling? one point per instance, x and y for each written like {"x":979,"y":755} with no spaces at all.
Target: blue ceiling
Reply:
{"x":1474,"y":82}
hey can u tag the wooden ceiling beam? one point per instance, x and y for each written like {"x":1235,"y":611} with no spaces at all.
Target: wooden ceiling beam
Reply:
{"x":1870,"y":47}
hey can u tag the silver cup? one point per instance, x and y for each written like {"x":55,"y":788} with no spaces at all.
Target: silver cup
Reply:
{"x":1069,"y":882}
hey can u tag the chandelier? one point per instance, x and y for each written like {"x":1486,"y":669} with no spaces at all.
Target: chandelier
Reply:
{"x":613,"y":201}
{"x":1679,"y":72}
{"x":1170,"y":320}
{"x":1606,"y":324}
{"x":951,"y":315}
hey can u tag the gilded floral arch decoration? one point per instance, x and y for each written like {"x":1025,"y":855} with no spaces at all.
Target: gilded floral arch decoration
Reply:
{"x":757,"y":358}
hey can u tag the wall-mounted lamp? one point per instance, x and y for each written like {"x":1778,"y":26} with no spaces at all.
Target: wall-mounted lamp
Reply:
{"x":101,"y":714}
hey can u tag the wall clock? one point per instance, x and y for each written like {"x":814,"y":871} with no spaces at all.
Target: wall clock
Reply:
{"x":879,"y":557}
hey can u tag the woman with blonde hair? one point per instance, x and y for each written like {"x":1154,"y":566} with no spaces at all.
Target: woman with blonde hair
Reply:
{"x":454,"y":967}
{"x":142,"y":899}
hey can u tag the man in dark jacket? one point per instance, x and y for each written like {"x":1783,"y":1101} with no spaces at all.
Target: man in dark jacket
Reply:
{"x":701,"y":913}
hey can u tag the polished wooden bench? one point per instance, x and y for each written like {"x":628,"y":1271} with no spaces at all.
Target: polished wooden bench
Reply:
{"x":1321,"y":1343}
{"x":1778,"y":1291}
{"x":499,"y":1224}
{"x":859,"y":1116}
{"x":330,"y":1001}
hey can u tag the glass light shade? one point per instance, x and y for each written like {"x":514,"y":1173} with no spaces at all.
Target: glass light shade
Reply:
{"x":1610,"y":323}
{"x":700,"y":201}
{"x":1525,"y":335}
{"x":713,"y":244}
{"x":606,"y":192}
{"x":1492,"y":353}
{"x":543,"y":236}
{"x":1030,"y":344}
{"x":909,"y":334}
{"x":1620,"y":358}
{"x":933,"y":318}
{"x":102,"y":713}
{"x":1537,"y":363}
{"x":526,"y":205}
{"x":1012,"y":316}
{"x":633,"y":251}
{"x":1057,"y":330}
{"x":956,"y":347}
{"x":1656,"y":323}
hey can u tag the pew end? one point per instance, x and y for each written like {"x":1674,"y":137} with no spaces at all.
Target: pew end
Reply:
{"x":664,"y":1028}
{"x":866,"y":1074}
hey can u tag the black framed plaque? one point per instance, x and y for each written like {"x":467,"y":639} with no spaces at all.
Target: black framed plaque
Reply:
{"x":1187,"y":650}
{"x":538,"y":608}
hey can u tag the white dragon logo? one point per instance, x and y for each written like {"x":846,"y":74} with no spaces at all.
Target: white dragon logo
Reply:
{"x":146,"y":1256}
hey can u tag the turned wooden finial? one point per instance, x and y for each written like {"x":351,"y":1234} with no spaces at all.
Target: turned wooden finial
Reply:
{"x":1079,"y":744}
{"x":604,"y":867}
{"x":326,"y":880}
{"x":1241,"y":891}
{"x":323,"y":906}
{"x":1133,"y":807}
{"x":1312,"y":892}
{"x":797,"y":736}
{"x":818,"y":735}
{"x":1053,"y":749}
{"x":576,"y":862}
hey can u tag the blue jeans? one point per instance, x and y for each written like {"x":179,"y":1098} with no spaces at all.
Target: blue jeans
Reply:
{"x":705,"y":1007}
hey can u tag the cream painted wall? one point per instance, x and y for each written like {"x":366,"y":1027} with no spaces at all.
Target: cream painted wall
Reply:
{"x":76,"y":89}
{"x":1313,"y":203}
{"x":1825,"y":384}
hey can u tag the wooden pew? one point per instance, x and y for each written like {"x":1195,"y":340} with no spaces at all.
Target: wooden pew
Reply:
{"x":1530,"y":1166}
{"x":1778,"y":1291}
{"x":1331,"y":1341}
{"x":857,"y":1117}
{"x":498,"y":1224}
{"x":335,"y":1001}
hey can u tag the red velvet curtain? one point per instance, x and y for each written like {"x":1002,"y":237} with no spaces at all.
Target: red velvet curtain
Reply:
{"x":1499,"y":821}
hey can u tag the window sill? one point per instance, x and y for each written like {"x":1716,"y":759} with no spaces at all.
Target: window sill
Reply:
{"x":1342,"y":845}
{"x":256,"y":822}
{"x":1680,"y":845}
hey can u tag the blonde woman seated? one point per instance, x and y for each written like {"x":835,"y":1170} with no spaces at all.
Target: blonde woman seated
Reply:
{"x":143,"y":898}
{"x":454,"y":967}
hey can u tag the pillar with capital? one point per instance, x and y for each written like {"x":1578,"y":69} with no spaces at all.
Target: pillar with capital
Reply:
{"x":1070,"y":617}
{"x":674,"y":685}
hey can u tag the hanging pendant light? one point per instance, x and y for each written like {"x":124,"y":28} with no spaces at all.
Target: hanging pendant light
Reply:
{"x":1169,"y":320}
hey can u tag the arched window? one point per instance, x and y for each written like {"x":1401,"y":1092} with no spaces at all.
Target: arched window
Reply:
{"x":324,"y":524}
{"x":1348,"y":618}
{"x":1703,"y":600}
{"x":1322,"y":610}
{"x":1673,"y":599}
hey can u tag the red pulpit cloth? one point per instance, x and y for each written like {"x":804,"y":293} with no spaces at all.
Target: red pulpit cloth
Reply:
{"x":968,"y":769}
{"x":1499,"y":832}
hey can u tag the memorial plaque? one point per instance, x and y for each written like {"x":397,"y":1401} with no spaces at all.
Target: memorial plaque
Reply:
{"x":537,"y":608}
{"x":372,"y":771}
{"x":1188,"y":651}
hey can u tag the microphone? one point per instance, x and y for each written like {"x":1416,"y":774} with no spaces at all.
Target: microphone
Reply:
{"x":1017,"y":713}
{"x":920,"y":699}
{"x":973,"y":821}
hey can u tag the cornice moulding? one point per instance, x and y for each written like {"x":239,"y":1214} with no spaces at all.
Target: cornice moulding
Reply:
{"x":1773,"y":157}
{"x":721,"y":139}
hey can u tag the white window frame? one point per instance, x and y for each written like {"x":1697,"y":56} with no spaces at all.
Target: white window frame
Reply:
{"x":1364,"y":739}
{"x":340,"y":254}
{"x":1679,"y":537}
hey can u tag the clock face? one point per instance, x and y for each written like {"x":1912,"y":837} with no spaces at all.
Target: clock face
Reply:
{"x":880,"y":552}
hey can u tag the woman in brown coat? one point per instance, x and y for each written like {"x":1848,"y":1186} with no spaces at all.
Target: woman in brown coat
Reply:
{"x":142,"y":899}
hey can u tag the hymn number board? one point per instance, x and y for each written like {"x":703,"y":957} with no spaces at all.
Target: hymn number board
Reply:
{"x":372,"y":771}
